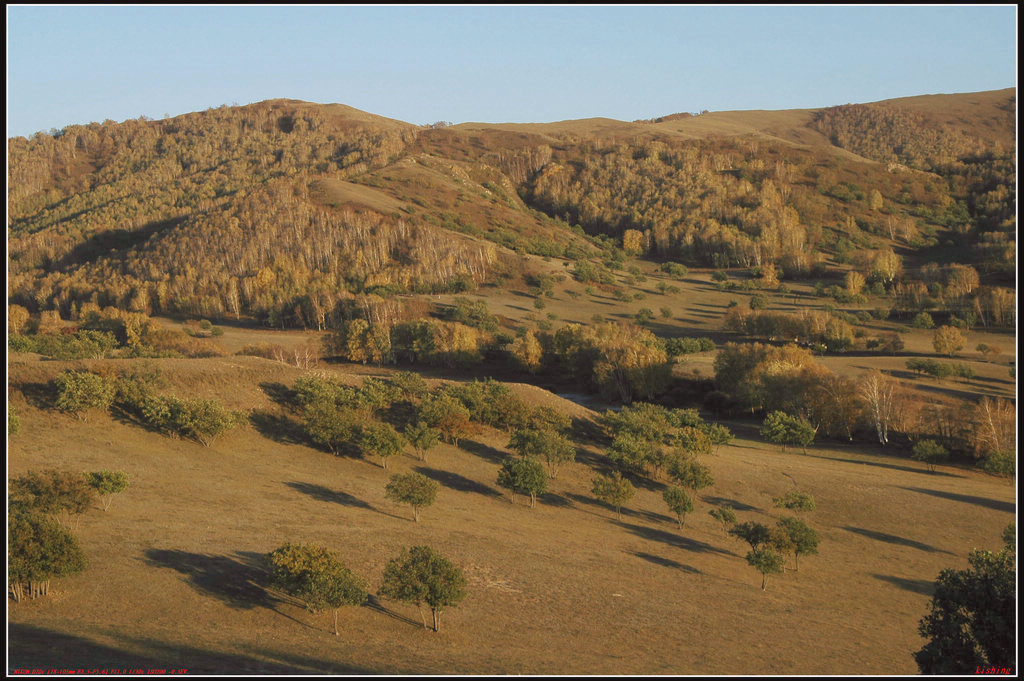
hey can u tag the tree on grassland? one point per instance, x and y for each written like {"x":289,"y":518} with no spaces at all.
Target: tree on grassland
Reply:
{"x":545,"y":444}
{"x":107,"y":484}
{"x":798,"y":538}
{"x":679,"y":502}
{"x":523,"y":475}
{"x":421,"y":575}
{"x":948,"y":340}
{"x":972,"y":616}
{"x":422,"y":437}
{"x":316,"y":577}
{"x":38,"y":549}
{"x":766,"y":561}
{"x":380,"y":439}
{"x":614,"y":490}
{"x":782,"y":429}
{"x":929,"y":452}
{"x":725,"y":515}
{"x":79,"y":391}
{"x":414,"y":489}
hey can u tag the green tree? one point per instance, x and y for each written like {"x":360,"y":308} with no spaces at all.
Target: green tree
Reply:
{"x":315,"y":576}
{"x":79,"y":391}
{"x":107,"y":484}
{"x":923,"y":320}
{"x":679,"y":502}
{"x":380,"y":439}
{"x":800,"y":539}
{"x":52,"y":492}
{"x":421,"y":575}
{"x":690,"y":473}
{"x":553,"y":448}
{"x":414,"y":489}
{"x":725,"y":515}
{"x":38,"y":549}
{"x":929,"y":452}
{"x":795,"y":501}
{"x":446,"y":413}
{"x":755,"y":534}
{"x":524,"y":475}
{"x":972,"y":617}
{"x":13,"y":422}
{"x":422,"y":437}
{"x":330,"y":424}
{"x":613,"y":490}
{"x":206,"y":420}
{"x":782,"y":429}
{"x":766,"y":561}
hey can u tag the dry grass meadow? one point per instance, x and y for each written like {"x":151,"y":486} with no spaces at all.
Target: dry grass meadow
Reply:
{"x":564,"y":588}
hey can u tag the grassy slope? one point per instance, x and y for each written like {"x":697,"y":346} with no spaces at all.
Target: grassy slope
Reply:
{"x":563,"y":588}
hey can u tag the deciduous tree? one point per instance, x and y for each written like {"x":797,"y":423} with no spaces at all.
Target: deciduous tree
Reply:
{"x":421,"y":575}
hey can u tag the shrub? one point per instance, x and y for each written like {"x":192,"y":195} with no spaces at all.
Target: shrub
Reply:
{"x":930,"y":453}
{"x":38,"y":549}
{"x":107,"y":484}
{"x":79,"y":391}
{"x":923,"y":320}
{"x":52,"y":492}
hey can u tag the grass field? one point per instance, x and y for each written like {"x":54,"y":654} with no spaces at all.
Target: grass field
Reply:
{"x":174,"y":578}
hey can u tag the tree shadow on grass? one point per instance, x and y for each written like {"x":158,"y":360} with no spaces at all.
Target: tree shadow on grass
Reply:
{"x":485,"y":452}
{"x":556,"y":500}
{"x":893,"y":539}
{"x":995,"y":504}
{"x":39,"y":395}
{"x":374,"y":603}
{"x":31,"y":647}
{"x":918,"y":586}
{"x":279,"y":394}
{"x":279,"y":428}
{"x":672,"y":539}
{"x":891,"y":466}
{"x":666,"y":562}
{"x":236,"y":583}
{"x":736,"y":505}
{"x":321,"y":493}
{"x":457,"y":482}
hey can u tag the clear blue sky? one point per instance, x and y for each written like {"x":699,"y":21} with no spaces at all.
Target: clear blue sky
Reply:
{"x":421,"y":64}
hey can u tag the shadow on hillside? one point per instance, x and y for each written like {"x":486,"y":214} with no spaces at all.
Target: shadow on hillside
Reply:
{"x":918,"y":586}
{"x":556,"y":500}
{"x":995,"y":504}
{"x":279,"y":394}
{"x":31,"y":647}
{"x":457,"y":482}
{"x":236,"y":583}
{"x":891,"y":466}
{"x":485,"y":452}
{"x":321,"y":493}
{"x":39,"y":395}
{"x":672,"y":539}
{"x":373,"y":603}
{"x":893,"y":539}
{"x":102,"y":243}
{"x":666,"y":562}
{"x":736,"y":505}
{"x":279,"y":428}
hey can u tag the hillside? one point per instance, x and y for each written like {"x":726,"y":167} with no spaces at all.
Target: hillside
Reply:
{"x":563,"y":588}
{"x":111,"y":212}
{"x":716,"y":308}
